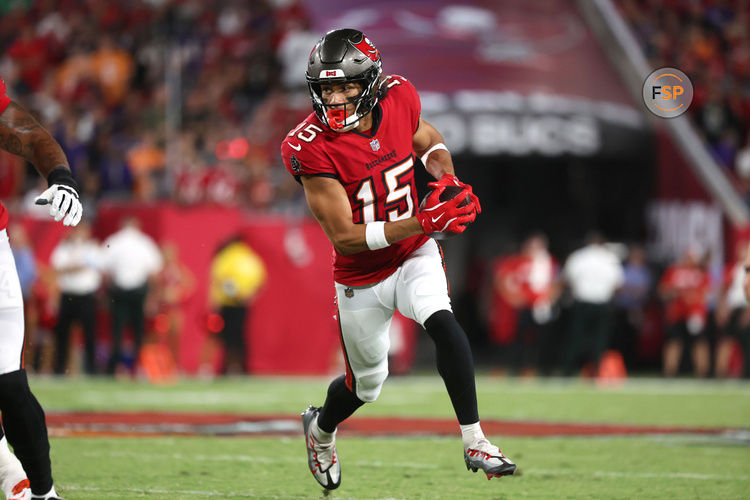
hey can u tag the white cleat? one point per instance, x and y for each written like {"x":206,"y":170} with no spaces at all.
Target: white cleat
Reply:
{"x":13,"y":481}
{"x":487,"y":457}
{"x":20,"y":491}
{"x":50,"y":495}
{"x":321,"y":457}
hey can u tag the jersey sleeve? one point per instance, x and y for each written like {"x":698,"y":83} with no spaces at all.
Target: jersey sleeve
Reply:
{"x":4,"y":99}
{"x":666,"y":279}
{"x":303,"y":155}
{"x":401,"y":89}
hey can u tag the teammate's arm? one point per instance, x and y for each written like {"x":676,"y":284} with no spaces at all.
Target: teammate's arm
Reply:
{"x":22,"y":135}
{"x":329,"y":204}
{"x":439,"y":161}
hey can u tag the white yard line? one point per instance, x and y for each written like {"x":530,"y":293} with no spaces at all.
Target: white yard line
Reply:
{"x":644,"y":475}
{"x":223,"y":494}
{"x":247,"y":458}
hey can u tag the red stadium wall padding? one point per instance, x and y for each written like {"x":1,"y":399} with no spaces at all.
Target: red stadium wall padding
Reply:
{"x":291,"y":328}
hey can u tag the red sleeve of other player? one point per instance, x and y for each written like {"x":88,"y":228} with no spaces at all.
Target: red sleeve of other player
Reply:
{"x":4,"y":99}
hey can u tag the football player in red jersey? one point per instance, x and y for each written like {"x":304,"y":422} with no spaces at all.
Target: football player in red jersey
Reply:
{"x":685,"y":287}
{"x":354,"y":156}
{"x":23,"y":417}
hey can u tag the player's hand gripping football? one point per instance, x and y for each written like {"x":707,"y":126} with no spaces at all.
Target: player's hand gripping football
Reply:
{"x":449,"y":207}
{"x":452,"y":180}
{"x":62,"y":197}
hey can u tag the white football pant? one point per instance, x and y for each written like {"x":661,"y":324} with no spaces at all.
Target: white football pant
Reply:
{"x":11,"y":310}
{"x":418,"y":289}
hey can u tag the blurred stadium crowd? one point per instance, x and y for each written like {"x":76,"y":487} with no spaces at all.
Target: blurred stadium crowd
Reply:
{"x":102,"y":76}
{"x":186,"y":100}
{"x":128,"y":88}
{"x":710,"y":41}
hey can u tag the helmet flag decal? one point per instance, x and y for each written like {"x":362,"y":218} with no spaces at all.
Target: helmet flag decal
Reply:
{"x":367,"y":48}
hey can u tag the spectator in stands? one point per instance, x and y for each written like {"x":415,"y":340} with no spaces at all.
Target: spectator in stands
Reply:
{"x":77,"y":262}
{"x":684,"y":287}
{"x":131,"y":259}
{"x":146,"y":161}
{"x":716,"y":118}
{"x":733,"y":316}
{"x":594,"y":274}
{"x":237,"y":274}
{"x":223,"y":57}
{"x":710,"y":42}
{"x":742,"y":167}
{"x":527,"y":281}
{"x":112,"y":68}
{"x":30,"y":52}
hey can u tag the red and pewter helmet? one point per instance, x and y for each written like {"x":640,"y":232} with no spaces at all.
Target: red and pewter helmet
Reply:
{"x":344,"y":56}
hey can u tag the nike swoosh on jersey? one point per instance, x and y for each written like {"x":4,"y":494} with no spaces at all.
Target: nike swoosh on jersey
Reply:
{"x":296,"y":148}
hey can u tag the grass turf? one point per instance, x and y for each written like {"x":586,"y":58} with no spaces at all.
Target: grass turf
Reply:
{"x":421,"y":468}
{"x":661,"y":467}
{"x":648,"y":401}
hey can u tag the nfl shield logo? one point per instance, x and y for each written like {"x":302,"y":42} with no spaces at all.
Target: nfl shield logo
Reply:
{"x":375,"y":144}
{"x":349,"y":293}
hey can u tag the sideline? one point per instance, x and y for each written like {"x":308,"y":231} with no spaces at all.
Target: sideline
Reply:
{"x":220,"y":424}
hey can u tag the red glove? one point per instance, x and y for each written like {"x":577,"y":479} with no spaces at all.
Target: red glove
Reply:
{"x":437,"y":216}
{"x":451,"y":180}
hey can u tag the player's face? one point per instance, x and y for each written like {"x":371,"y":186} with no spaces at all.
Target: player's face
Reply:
{"x":340,"y":94}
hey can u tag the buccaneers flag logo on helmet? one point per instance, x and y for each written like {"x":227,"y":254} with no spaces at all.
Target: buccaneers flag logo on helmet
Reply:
{"x":368,"y":49}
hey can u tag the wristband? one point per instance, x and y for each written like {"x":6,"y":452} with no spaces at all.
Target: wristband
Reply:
{"x":437,"y":146}
{"x":375,"y":235}
{"x":62,"y":176}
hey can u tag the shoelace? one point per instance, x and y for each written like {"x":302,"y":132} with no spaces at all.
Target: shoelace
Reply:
{"x":486,"y":453}
{"x":323,"y":449}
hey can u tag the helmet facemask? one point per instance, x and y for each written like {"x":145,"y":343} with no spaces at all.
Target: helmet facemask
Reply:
{"x":337,"y":116}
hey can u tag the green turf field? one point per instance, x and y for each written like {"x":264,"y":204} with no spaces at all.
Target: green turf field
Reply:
{"x":673,"y":466}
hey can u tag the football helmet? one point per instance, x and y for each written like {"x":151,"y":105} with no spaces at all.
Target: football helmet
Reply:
{"x":344,"y":56}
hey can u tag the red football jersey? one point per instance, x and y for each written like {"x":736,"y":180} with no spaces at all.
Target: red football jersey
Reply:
{"x":376,"y":170}
{"x":690,"y":286}
{"x":4,"y":102}
{"x":527,"y":284}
